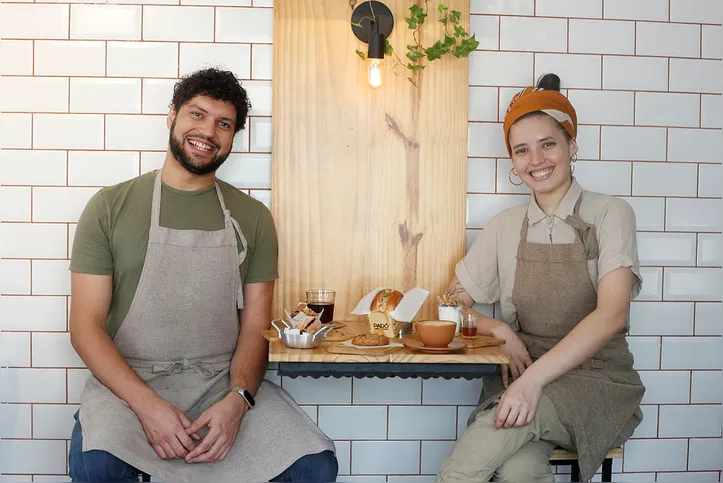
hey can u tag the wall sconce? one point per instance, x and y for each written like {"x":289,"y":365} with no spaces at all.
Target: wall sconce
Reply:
{"x":372,"y":22}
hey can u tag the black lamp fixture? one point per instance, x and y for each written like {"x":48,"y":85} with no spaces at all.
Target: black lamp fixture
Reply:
{"x":372,"y":22}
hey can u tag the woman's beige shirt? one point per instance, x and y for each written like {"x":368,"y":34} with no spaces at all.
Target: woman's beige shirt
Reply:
{"x":487,"y":272}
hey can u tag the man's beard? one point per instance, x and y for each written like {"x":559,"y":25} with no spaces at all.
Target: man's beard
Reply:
{"x":178,"y":152}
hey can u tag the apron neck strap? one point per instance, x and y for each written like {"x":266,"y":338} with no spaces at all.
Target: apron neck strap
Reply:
{"x":230,"y":221}
{"x":156,"y":203}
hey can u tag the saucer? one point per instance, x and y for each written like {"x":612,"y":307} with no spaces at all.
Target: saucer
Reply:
{"x":416,"y":344}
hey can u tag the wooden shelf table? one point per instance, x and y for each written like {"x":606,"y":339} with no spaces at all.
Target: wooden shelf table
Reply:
{"x":404,"y":362}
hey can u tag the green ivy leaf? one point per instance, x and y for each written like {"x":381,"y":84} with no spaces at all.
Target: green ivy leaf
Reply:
{"x":459,"y":31}
{"x":470,"y":44}
{"x":465,"y":47}
{"x":387,"y":47}
{"x":442,"y":8}
{"x":361,"y":54}
{"x":454,"y":16}
{"x":417,"y":16}
{"x":436,"y":51}
{"x":413,"y":53}
{"x":449,"y":41}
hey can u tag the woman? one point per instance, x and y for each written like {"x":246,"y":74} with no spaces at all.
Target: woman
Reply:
{"x":564,"y":269}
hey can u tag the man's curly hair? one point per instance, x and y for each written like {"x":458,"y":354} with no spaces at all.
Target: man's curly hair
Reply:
{"x":221,"y":85}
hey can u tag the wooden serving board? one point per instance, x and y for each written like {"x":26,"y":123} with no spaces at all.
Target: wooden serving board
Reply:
{"x":480,"y":341}
{"x":372,"y":351}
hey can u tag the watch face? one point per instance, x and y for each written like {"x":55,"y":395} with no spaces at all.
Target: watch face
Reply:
{"x":249,"y":398}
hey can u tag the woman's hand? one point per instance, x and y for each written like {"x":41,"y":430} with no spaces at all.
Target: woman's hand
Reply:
{"x":518,"y":404}
{"x":515,"y":348}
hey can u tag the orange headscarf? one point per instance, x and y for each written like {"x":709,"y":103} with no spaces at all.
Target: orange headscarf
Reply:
{"x":550,"y":102}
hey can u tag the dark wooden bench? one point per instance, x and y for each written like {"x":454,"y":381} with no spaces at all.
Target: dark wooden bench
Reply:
{"x":563,"y":457}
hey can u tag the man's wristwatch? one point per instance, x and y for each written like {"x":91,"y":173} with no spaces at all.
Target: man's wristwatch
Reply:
{"x":245,"y":394}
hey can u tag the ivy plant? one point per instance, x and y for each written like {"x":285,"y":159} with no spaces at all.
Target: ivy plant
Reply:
{"x":456,"y":40}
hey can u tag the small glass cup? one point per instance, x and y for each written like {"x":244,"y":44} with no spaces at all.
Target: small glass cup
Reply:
{"x":322,"y":299}
{"x":469,"y":326}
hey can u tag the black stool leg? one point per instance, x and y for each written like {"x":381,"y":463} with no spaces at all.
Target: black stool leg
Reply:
{"x":607,"y":469}
{"x":145,"y":477}
{"x":574,"y":471}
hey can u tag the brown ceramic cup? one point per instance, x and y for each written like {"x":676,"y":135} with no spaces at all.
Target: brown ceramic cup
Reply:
{"x":436,"y":333}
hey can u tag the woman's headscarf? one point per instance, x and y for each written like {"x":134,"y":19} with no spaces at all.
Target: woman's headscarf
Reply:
{"x":550,"y":102}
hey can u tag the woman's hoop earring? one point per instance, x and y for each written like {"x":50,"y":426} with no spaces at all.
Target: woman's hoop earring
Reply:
{"x":573,"y":160}
{"x":509,"y":176}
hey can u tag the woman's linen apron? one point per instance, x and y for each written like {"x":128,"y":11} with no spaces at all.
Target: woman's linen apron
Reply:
{"x":597,"y":402}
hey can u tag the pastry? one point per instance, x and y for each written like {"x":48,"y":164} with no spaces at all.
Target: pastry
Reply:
{"x":309,"y":325}
{"x":370,"y":340}
{"x":305,"y":309}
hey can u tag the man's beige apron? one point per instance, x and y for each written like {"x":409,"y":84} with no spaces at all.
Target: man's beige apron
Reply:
{"x":597,"y":402}
{"x":179,"y":335}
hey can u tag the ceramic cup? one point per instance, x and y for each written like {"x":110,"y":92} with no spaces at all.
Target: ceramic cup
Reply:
{"x":453,"y":314}
{"x":436,"y":333}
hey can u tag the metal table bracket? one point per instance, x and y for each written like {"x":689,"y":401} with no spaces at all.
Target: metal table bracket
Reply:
{"x":384,"y":369}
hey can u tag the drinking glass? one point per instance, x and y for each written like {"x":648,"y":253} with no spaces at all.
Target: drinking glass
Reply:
{"x":322,"y":299}
{"x":469,"y":326}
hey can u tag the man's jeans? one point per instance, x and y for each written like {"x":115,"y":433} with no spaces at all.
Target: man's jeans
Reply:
{"x":101,"y":467}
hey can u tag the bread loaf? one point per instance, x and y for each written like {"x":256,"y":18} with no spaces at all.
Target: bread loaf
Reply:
{"x":386,"y":300}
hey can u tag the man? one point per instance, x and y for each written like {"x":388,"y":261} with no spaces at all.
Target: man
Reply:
{"x":172,"y":281}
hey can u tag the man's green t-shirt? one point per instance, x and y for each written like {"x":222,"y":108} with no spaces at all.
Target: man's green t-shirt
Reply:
{"x":112,"y":233}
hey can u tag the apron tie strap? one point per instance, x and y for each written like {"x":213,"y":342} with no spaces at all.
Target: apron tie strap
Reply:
{"x":586,"y":233}
{"x":204,"y":370}
{"x":240,"y":257}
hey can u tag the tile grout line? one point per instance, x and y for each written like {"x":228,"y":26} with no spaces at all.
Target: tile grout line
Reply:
{"x":567,"y":46}
{"x":499,"y":32}
{"x":420,"y":458}
{"x":635,"y":38}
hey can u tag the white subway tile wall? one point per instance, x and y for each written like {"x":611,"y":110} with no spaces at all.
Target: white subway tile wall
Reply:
{"x":84,"y":94}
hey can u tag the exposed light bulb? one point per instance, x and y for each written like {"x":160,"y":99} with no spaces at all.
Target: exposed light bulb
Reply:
{"x":375,"y":72}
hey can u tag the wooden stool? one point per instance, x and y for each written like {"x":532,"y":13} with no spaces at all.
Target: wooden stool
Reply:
{"x":563,"y":457}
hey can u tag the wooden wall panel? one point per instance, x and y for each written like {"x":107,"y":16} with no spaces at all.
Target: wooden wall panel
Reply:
{"x":368,"y":186}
